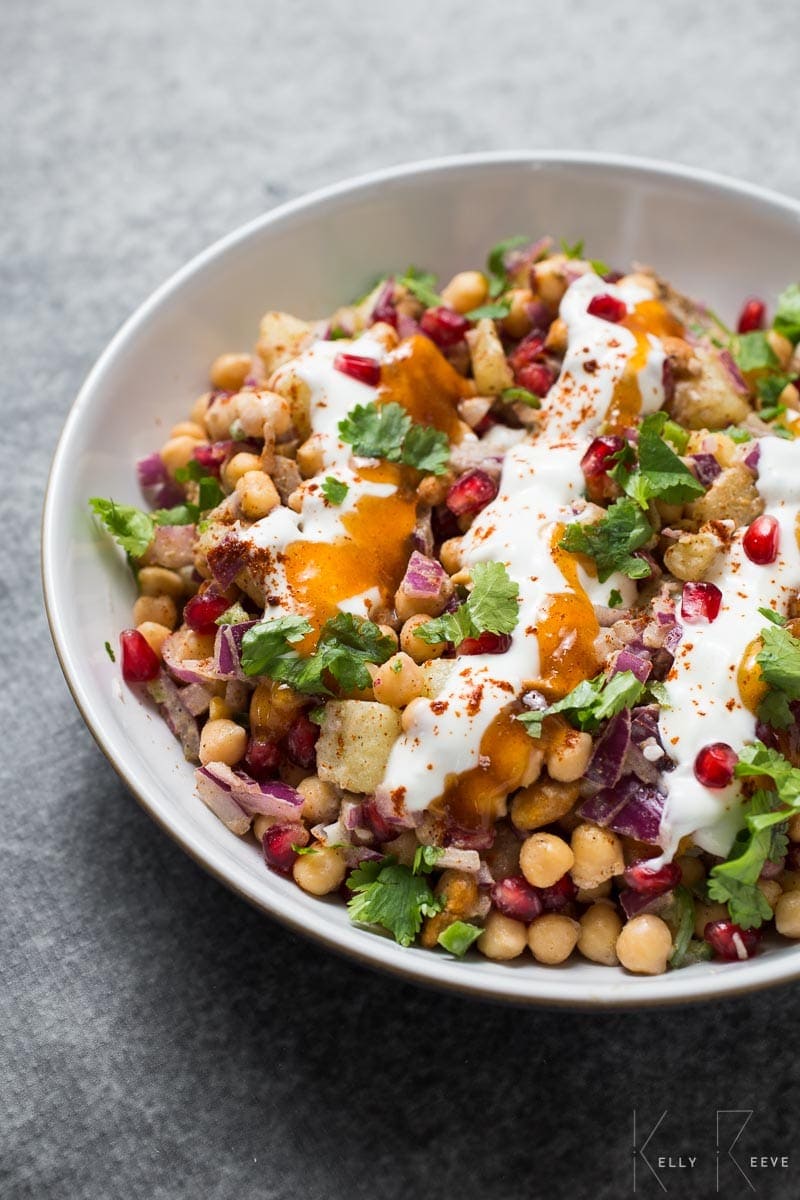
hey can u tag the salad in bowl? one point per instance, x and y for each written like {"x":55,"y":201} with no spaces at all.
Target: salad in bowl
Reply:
{"x":478,"y":606}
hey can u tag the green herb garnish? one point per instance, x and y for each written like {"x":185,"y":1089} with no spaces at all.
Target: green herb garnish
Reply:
{"x":387,"y":431}
{"x":590,"y":703}
{"x":395,"y":897}
{"x":422,"y":285}
{"x":659,"y":473}
{"x":346,"y":644}
{"x":458,"y":937}
{"x":520,"y":395}
{"x":495,"y":263}
{"x":490,"y":607}
{"x":612,"y":540}
{"x":787,"y":315}
{"x":334,"y":490}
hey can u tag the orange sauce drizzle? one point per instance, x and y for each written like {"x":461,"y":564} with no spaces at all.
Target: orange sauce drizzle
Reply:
{"x":567,"y":633}
{"x":420,"y":378}
{"x":649,"y":316}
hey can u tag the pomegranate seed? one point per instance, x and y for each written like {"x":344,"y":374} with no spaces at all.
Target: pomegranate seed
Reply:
{"x":384,"y":309}
{"x":730,"y":941}
{"x":139,"y":661}
{"x":598,"y":458}
{"x":536,"y":377}
{"x":201,"y":612}
{"x":608,"y":307}
{"x":262,"y":757}
{"x":515,"y":897}
{"x":212,"y":457}
{"x":752,"y":316}
{"x":761,"y":540}
{"x":277,"y":844}
{"x":443,"y":326}
{"x":714,"y":765}
{"x":529,"y":350}
{"x":652,"y":882}
{"x":700,"y":603}
{"x":301,"y":741}
{"x":365,"y":370}
{"x":558,"y":895}
{"x":472,"y":492}
{"x":486,"y":643}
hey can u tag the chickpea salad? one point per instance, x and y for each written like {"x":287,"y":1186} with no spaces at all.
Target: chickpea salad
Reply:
{"x":480,"y":607}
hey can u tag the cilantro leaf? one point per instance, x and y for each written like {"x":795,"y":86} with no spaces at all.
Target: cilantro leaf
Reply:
{"x":599,"y":267}
{"x":266,"y":645}
{"x":614,"y":598}
{"x":425,"y":859}
{"x":129,"y":526}
{"x":737,"y":435}
{"x":491,"y":607}
{"x":779,"y":661}
{"x":386,"y":431}
{"x":235,"y":615}
{"x":334,"y":490}
{"x":496,"y":311}
{"x":458,"y":937}
{"x":346,"y":644}
{"x":769,"y":389}
{"x":520,"y":395}
{"x":758,"y":760}
{"x":422,"y":285}
{"x":734,"y":882}
{"x":109,"y":651}
{"x":683,"y":912}
{"x":753,"y":352}
{"x":181,"y":514}
{"x":612,"y":540}
{"x":496,"y":266}
{"x":769,"y":614}
{"x":660,"y":474}
{"x":388,"y":894}
{"x":572,"y":251}
{"x":787,"y":316}
{"x":590,"y":703}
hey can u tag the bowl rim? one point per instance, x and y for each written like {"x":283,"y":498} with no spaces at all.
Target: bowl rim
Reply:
{"x":374,"y":951}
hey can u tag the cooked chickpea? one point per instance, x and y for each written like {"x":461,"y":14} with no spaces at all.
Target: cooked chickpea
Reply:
{"x":567,"y":754}
{"x":310,"y":458}
{"x":542,"y":802}
{"x":199,"y":409}
{"x":502,"y":937}
{"x":222,"y":741}
{"x":598,"y":855}
{"x":229,"y":371}
{"x":556,"y":339}
{"x":465,"y":291}
{"x":320,"y":800}
{"x":502,"y":858}
{"x":787,"y":915}
{"x":794,"y":828}
{"x":518,"y":322}
{"x":771,"y":890}
{"x":552,"y":938}
{"x":692,"y":869}
{"x":781,"y":347}
{"x":789,"y":881}
{"x":790,"y":396}
{"x":178,"y":451}
{"x":600,"y":929}
{"x":644,"y":945}
{"x":239,"y":465}
{"x":158,"y":581}
{"x":450,"y":554}
{"x":706,"y":911}
{"x":154,"y":634}
{"x":320,"y":872}
{"x":387,"y":631}
{"x":261,"y":823}
{"x":160,"y":609}
{"x":257,"y":494}
{"x":398,"y":681}
{"x":195,"y":645}
{"x":414,"y":646}
{"x":600,"y":892}
{"x":188,"y":429}
{"x":218,"y":710}
{"x":432,"y":489}
{"x":544,"y":859}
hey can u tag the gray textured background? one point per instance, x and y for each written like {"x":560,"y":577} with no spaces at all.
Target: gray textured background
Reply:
{"x":159,"y":1038}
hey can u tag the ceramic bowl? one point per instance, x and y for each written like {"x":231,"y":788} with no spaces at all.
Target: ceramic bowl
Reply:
{"x":713,"y":237}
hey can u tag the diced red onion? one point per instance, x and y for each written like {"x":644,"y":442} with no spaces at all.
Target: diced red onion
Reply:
{"x":196,"y":697}
{"x":351,"y":814}
{"x":632,"y":807}
{"x":226,"y":560}
{"x":422,"y":536}
{"x":735,"y":376}
{"x":638,"y":664}
{"x":426,"y":583}
{"x":237,"y":695}
{"x":172,"y":547}
{"x":217,"y":796}
{"x":186,"y":670}
{"x":228,"y":650}
{"x":180,"y":720}
{"x":605,"y":766}
{"x":459,"y":860}
{"x":273,"y":798}
{"x":752,"y":457}
{"x":706,"y":468}
{"x":633,"y":903}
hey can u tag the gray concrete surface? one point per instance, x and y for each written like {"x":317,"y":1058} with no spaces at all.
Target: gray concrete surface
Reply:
{"x":159,"y":1039}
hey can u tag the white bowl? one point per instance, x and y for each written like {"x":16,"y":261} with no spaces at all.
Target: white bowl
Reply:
{"x":714,"y":238}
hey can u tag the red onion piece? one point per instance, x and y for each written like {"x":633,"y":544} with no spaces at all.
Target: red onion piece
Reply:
{"x":180,"y":720}
{"x":216,"y":794}
{"x":638,"y":664}
{"x":426,"y":584}
{"x":631,"y":807}
{"x":172,"y":547}
{"x":735,"y":376}
{"x":752,"y":457}
{"x":196,"y":698}
{"x":706,"y":468}
{"x":228,"y":650}
{"x":272,"y":798}
{"x":186,"y":670}
{"x":605,"y":767}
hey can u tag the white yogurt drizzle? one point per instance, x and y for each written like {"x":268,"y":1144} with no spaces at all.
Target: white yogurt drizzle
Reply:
{"x":541,"y":478}
{"x":704,"y":701}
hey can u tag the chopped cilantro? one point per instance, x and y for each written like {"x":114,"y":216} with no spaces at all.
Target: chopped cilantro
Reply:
{"x":520,"y":395}
{"x":612,"y":540}
{"x":305,"y":849}
{"x":769,"y":614}
{"x":458,"y":937}
{"x":334,"y":490}
{"x":660,"y":474}
{"x":590,"y":703}
{"x":490,"y":607}
{"x":496,"y":266}
{"x":388,"y":894}
{"x":753,"y":352}
{"x":235,"y":615}
{"x":426,"y":858}
{"x":336,"y":334}
{"x":683,"y":914}
{"x":779,"y":661}
{"x":346,"y":644}
{"x":769,"y":390}
{"x":109,"y":651}
{"x":131,"y":528}
{"x":317,"y":714}
{"x":386,"y":431}
{"x":787,"y":316}
{"x":675,"y":433}
{"x":736,"y":434}
{"x":599,"y":267}
{"x":501,"y":309}
{"x":614,"y":598}
{"x":422,"y":285}
{"x":572,"y":251}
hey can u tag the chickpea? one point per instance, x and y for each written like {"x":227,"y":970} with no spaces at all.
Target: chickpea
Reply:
{"x":222,"y":741}
{"x":567,"y":754}
{"x":160,"y":609}
{"x":706,"y":911}
{"x":321,"y":872}
{"x":552,"y":938}
{"x":781,"y":347}
{"x":261,"y":823}
{"x":644,"y":945}
{"x":320,"y":800}
{"x":398,"y":681}
{"x":199,"y":409}
{"x":465,"y":291}
{"x":387,"y":631}
{"x":600,"y":892}
{"x":692,"y":869}
{"x":239,"y":465}
{"x":502,"y":937}
{"x":257,"y":494}
{"x":794,"y":828}
{"x":309,"y":458}
{"x":218,"y":710}
{"x":450,"y":554}
{"x":229,"y":371}
{"x":188,"y":429}
{"x":432,"y":489}
{"x":220,"y":415}
{"x":195,"y":645}
{"x":787,"y":915}
{"x":790,"y":396}
{"x":544,"y":859}
{"x":502,"y":858}
{"x":789,"y":881}
{"x":414,"y":646}
{"x":518,"y":322}
{"x":556,"y":339}
{"x":542,"y":802}
{"x":154,"y":634}
{"x":600,"y":929}
{"x":158,"y":581}
{"x":598,"y":855}
{"x":771,"y":890}
{"x":178,"y":451}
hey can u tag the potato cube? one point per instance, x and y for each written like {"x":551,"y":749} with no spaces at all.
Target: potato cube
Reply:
{"x":355,"y":742}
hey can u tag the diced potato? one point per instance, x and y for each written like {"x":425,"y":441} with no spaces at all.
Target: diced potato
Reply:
{"x":709,"y":399}
{"x":733,"y":496}
{"x":694,"y":554}
{"x":435,"y":672}
{"x":281,"y":337}
{"x":489,"y":366}
{"x":355,"y":742}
